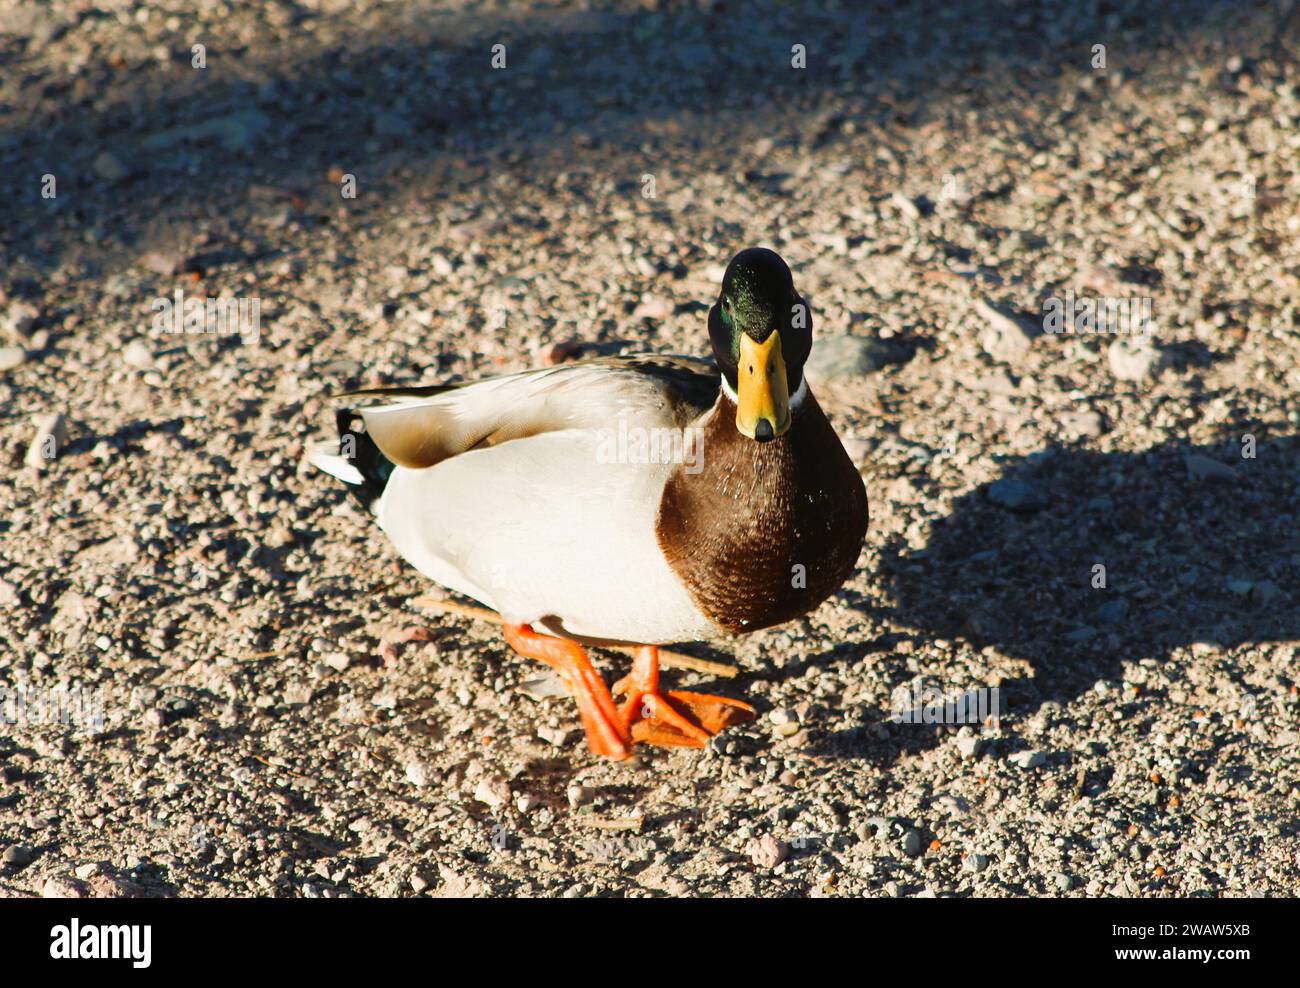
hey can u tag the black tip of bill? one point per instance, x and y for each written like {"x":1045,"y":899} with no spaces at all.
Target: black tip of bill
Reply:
{"x":763,"y":431}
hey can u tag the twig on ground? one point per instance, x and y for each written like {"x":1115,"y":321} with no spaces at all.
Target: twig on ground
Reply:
{"x":671,"y":660}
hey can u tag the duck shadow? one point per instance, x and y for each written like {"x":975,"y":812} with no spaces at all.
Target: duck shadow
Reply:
{"x":1107,"y":559}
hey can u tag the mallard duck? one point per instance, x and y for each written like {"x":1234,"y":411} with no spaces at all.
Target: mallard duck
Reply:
{"x":637,"y":499}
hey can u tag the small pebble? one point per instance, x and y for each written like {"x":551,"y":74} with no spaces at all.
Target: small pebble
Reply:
{"x":1017,"y":495}
{"x":64,"y":888}
{"x":493,"y":790}
{"x":767,"y":852}
{"x":12,"y":357}
{"x":1027,"y":759}
{"x":527,"y":803}
{"x":580,"y":795}
{"x":47,"y":444}
{"x":1005,"y":336}
{"x":420,"y":773}
{"x":1203,"y":468}
{"x":109,"y":167}
{"x":1135,"y":359}
{"x":19,"y":318}
{"x":553,"y":736}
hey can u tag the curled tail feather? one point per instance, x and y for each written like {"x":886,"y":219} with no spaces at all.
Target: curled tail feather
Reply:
{"x":354,"y":459}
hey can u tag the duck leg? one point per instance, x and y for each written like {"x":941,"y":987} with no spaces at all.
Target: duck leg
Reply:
{"x":677,"y":718}
{"x":606,"y":734}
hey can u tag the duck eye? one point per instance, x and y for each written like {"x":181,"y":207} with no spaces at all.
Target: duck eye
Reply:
{"x":726,"y":303}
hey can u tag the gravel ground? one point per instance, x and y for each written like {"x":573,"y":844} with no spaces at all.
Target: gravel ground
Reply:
{"x":933,"y":175}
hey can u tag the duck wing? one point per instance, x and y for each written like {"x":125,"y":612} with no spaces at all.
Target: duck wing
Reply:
{"x":418,"y":427}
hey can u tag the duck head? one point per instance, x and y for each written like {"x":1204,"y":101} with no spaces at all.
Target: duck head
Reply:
{"x":761,"y":331}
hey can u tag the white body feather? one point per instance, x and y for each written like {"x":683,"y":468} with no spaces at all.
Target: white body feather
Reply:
{"x":542,"y":528}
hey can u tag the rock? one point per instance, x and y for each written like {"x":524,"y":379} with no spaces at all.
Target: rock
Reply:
{"x":297,"y":695}
{"x":968,"y":747}
{"x":51,"y":433}
{"x":1203,"y":468}
{"x":1135,"y":359}
{"x":976,"y":862}
{"x":877,"y":826}
{"x":767,"y":852}
{"x":163,"y":262}
{"x":61,"y":887}
{"x":19,"y":318}
{"x":1265,"y":592}
{"x":109,"y":167}
{"x":88,"y":870}
{"x":653,"y":307}
{"x":16,"y":856}
{"x":420,"y":773}
{"x":527,"y":803}
{"x":1006,"y":336}
{"x":838,"y":357}
{"x":559,"y":353}
{"x":392,"y":125}
{"x":911,"y":843}
{"x":1080,"y":635}
{"x":909,"y":207}
{"x":111,"y":887}
{"x":553,"y":735}
{"x":1086,"y":424}
{"x":11,"y":357}
{"x":235,"y":132}
{"x":138,"y":355}
{"x":493,"y":790}
{"x":338,"y":661}
{"x":1017,"y":495}
{"x":858,"y":449}
{"x":1062,"y":881}
{"x":9,"y":596}
{"x":837,"y":243}
{"x":580,"y":795}
{"x":546,"y":687}
{"x":1113,"y":611}
{"x":783,"y":716}
{"x":1027,"y":759}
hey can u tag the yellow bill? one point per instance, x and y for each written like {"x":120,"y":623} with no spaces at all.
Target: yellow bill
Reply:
{"x":763,"y":406}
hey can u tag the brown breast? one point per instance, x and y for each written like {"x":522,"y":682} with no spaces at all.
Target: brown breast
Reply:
{"x":764,"y":532}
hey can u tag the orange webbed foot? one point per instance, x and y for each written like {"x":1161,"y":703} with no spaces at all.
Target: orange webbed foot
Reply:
{"x":606,"y":734}
{"x":676,"y":718}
